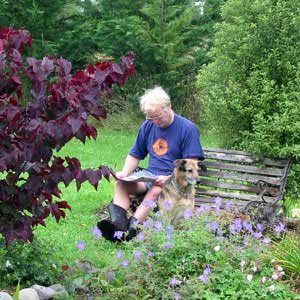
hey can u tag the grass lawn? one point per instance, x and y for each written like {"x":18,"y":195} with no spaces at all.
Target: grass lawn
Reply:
{"x":110,"y":149}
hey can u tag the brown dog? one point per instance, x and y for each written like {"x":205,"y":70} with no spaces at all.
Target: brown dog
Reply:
{"x":178,"y":194}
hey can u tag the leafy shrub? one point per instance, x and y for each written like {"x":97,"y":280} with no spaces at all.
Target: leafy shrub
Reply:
{"x":250,"y":92}
{"x":58,"y":110}
{"x":213,"y":256}
{"x":31,"y":263}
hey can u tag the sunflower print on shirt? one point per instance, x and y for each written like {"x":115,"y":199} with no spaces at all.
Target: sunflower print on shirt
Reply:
{"x":160,"y":147}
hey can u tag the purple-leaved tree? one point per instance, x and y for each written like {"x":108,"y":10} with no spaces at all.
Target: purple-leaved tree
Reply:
{"x":57,"y":111}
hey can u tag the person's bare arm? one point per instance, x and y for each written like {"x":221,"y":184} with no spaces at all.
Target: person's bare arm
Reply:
{"x":130,"y":165}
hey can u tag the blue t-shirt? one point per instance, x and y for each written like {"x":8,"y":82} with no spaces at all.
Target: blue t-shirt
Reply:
{"x":164,"y":145}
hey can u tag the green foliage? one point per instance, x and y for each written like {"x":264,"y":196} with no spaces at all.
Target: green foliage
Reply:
{"x":250,"y":92}
{"x":28,"y":263}
{"x":45,"y":20}
{"x":287,"y":253}
{"x":17,"y":292}
{"x":170,"y":40}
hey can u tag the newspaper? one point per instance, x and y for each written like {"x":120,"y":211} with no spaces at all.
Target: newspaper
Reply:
{"x":137,"y":178}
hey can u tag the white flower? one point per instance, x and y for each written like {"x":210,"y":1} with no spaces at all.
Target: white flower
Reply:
{"x":249,"y":277}
{"x":8,"y":264}
{"x":243,"y":264}
{"x":264,"y":279}
{"x":271,"y":288}
{"x":279,"y":268}
{"x":275,"y":276}
{"x":217,"y":248}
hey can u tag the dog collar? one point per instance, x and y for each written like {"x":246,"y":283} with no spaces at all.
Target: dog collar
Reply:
{"x":184,"y":194}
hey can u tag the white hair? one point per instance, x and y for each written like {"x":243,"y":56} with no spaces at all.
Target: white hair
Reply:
{"x":155,"y":96}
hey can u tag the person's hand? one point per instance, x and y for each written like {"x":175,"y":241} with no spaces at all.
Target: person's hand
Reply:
{"x":121,"y":174}
{"x":161,"y":180}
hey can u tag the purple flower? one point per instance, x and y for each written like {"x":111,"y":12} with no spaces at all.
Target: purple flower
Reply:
{"x":236,"y":226}
{"x":125,"y":263}
{"x":207,"y":271}
{"x":97,"y":232}
{"x":257,"y":234}
{"x":267,"y":240}
{"x":137,"y":254}
{"x":170,"y":229}
{"x":148,"y":223}
{"x":169,"y":232}
{"x":214,"y":226}
{"x":150,"y":254}
{"x":203,"y":278}
{"x":280,"y":227}
{"x":176,"y":296}
{"x":119,"y":254}
{"x":218,"y":201}
{"x":149,"y":203}
{"x":199,"y":210}
{"x":259,"y":227}
{"x":118,"y":234}
{"x":168,"y":204}
{"x":141,"y":236}
{"x":247,"y":226}
{"x":174,"y":282}
{"x":228,"y":206}
{"x":167,"y":245}
{"x":158,"y":226}
{"x":81,"y":245}
{"x":188,"y":213}
{"x":207,"y":208}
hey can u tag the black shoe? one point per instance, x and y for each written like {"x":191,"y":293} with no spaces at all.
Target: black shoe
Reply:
{"x":112,"y":228}
{"x":132,"y":228}
{"x":110,"y":232}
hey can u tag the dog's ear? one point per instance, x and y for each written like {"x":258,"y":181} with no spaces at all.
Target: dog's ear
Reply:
{"x":180,"y":164}
{"x":202,"y":167}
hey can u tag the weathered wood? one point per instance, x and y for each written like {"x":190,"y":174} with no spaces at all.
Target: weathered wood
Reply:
{"x":237,"y":186}
{"x":240,"y":177}
{"x":232,"y":195}
{"x":245,"y":159}
{"x":241,"y":156}
{"x":244,"y":168}
{"x":276,"y":181}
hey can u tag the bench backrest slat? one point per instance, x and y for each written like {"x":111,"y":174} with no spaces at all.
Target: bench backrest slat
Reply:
{"x":243,"y":168}
{"x":240,"y":177}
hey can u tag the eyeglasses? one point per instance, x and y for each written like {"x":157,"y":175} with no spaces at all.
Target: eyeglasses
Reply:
{"x":156,"y":117}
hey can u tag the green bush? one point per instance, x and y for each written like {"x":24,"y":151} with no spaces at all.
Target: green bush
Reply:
{"x":250,"y":92}
{"x":31,"y":263}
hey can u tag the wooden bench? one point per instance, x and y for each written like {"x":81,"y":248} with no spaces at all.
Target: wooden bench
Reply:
{"x":241,"y":178}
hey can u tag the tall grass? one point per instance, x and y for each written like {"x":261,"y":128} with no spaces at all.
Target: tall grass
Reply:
{"x":110,"y":149}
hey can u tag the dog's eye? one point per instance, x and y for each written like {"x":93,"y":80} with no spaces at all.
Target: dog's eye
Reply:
{"x":190,"y":171}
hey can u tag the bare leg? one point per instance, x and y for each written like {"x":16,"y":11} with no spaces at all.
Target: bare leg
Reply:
{"x":124,"y":189}
{"x":144,"y":210}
